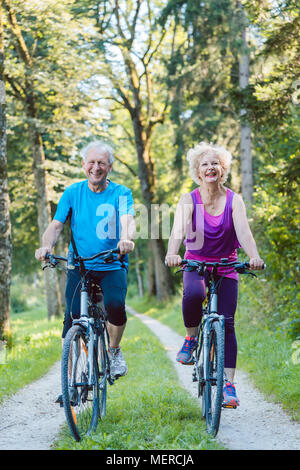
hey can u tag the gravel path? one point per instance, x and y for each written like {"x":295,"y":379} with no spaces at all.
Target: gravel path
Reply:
{"x":30,"y":420}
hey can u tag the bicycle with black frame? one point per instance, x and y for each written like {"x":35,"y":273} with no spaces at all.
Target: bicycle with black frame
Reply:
{"x":85,"y":365}
{"x":208,"y":357}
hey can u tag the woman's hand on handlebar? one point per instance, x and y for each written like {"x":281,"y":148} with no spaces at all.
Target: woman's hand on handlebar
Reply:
{"x":173,"y":260}
{"x":256,"y":263}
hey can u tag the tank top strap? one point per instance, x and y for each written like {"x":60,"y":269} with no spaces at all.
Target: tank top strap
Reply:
{"x":196,"y":196}
{"x":229,"y":200}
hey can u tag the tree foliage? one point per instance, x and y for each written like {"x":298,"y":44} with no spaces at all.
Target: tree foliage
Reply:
{"x":153,"y":78}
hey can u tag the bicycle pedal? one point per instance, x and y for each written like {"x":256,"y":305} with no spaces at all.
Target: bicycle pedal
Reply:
{"x":60,"y":401}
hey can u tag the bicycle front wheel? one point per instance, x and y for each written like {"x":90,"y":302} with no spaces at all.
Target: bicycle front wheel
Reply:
{"x":80,"y":398}
{"x":103,"y":368}
{"x":213,"y":389}
{"x":200,"y":372}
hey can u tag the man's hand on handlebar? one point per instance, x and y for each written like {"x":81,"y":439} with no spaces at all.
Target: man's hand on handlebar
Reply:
{"x":125,"y":246}
{"x":41,"y":253}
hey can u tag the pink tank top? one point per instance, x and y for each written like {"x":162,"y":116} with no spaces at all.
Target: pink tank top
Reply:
{"x":210,"y":238}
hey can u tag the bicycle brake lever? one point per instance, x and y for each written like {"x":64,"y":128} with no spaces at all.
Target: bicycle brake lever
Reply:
{"x":179,"y":271}
{"x":110,"y":258}
{"x":242,"y":270}
{"x":51,"y":264}
{"x":252,"y":274}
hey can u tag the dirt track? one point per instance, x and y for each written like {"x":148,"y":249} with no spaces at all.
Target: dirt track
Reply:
{"x":31,"y":420}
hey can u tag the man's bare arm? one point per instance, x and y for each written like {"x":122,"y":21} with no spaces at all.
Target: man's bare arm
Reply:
{"x":128,"y":230}
{"x":49,"y":239}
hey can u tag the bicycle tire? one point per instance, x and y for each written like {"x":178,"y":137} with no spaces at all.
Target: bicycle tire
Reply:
{"x":200,"y":372}
{"x":213,"y":388}
{"x":81,"y":401}
{"x":103,"y":369}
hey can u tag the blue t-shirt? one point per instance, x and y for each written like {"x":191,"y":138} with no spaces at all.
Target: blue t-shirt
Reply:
{"x":95,"y":220}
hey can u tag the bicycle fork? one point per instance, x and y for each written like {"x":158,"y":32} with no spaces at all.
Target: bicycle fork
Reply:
{"x":87,"y":323}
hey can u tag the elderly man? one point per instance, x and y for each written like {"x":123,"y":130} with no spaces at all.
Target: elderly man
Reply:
{"x":102,"y":218}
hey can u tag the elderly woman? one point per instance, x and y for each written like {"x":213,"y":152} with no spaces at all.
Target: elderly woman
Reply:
{"x":217,"y":217}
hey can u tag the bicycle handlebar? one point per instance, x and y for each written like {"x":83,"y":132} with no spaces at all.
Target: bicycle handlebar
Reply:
{"x":238,"y":266}
{"x":71,"y":259}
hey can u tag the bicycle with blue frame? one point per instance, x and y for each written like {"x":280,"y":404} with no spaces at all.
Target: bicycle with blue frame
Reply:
{"x":208,"y":357}
{"x":85,"y":365}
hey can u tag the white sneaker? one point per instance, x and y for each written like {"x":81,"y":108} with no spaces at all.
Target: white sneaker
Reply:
{"x":118,"y":366}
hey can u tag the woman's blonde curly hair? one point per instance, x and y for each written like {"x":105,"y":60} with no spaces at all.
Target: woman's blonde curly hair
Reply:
{"x":195,"y":154}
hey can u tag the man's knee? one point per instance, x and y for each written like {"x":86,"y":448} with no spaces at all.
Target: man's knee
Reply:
{"x":116,"y":312}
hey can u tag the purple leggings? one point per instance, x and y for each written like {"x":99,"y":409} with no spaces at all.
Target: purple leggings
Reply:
{"x":194,"y":292}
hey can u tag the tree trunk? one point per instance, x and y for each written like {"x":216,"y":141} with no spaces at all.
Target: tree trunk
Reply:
{"x":62,"y":248}
{"x":163,"y":278}
{"x":44,"y":218}
{"x":138,"y":272}
{"x":245,"y":129}
{"x":150,"y":272}
{"x":43,"y":207}
{"x":5,"y":227}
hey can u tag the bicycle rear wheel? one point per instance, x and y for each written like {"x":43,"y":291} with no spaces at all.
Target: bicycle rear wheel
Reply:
{"x":81,"y":400}
{"x":213,"y":389}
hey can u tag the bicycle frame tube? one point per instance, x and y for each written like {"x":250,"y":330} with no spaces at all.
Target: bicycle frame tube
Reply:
{"x":213,"y":301}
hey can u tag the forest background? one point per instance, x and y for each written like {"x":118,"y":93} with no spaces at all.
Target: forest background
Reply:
{"x":152,"y":78}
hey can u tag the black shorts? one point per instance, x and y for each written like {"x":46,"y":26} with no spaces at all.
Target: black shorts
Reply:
{"x":114,"y":287}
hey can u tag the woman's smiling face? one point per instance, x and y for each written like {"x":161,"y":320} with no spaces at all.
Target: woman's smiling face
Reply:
{"x":210,"y":169}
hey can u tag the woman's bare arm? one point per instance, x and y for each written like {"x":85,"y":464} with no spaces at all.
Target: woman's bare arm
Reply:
{"x":183,"y":217}
{"x":244,"y":233}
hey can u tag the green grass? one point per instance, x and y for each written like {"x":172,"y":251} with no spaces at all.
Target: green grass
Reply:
{"x":147,"y":409}
{"x":265,"y":354}
{"x":36,"y":345}
{"x":168,"y":312}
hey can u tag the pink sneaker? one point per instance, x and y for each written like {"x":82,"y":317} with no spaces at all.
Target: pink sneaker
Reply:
{"x":185,"y":355}
{"x":229,"y":395}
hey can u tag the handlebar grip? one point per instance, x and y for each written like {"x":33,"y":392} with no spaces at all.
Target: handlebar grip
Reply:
{"x":248,"y":265}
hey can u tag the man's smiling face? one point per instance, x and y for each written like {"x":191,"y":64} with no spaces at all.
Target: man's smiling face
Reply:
{"x":96,"y":166}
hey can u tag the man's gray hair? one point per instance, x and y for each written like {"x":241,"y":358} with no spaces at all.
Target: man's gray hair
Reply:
{"x":98,"y":144}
